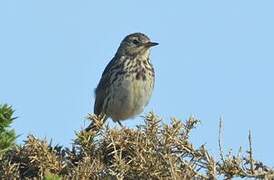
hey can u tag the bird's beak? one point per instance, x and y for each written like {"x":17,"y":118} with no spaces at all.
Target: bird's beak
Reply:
{"x":150,"y":44}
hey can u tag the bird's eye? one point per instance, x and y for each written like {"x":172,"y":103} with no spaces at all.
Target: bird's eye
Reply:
{"x":135,"y":41}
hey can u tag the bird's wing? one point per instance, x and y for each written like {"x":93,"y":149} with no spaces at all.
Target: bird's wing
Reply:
{"x":102,"y":89}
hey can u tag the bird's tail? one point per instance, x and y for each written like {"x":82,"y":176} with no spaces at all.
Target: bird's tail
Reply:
{"x":97,"y":122}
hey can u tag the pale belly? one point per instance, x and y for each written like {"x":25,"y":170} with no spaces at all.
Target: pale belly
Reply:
{"x":129,"y":98}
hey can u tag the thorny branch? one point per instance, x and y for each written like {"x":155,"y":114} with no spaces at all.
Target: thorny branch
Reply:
{"x":149,"y":151}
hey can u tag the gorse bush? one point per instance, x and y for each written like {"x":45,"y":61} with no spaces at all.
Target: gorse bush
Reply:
{"x":152,"y":150}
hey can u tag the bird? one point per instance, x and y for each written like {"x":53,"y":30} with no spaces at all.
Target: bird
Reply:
{"x":127,"y":82}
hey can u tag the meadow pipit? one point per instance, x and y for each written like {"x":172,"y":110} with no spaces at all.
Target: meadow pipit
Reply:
{"x":127,"y":82}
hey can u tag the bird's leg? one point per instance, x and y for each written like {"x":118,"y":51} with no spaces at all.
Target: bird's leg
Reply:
{"x":119,"y":122}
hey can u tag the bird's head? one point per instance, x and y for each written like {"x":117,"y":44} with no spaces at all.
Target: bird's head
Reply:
{"x":136,"y":43}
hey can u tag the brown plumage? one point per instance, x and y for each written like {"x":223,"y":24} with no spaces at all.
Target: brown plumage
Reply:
{"x":127,"y":82}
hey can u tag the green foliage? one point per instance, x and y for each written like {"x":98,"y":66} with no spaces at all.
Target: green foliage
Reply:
{"x":7,"y":135}
{"x":50,"y":176}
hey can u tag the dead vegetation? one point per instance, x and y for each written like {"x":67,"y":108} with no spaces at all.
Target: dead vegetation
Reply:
{"x":150,"y":151}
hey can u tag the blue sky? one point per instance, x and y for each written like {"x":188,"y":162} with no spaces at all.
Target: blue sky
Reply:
{"x":215,"y":59}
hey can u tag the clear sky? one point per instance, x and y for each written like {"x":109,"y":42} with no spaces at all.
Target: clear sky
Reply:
{"x":215,"y":59}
